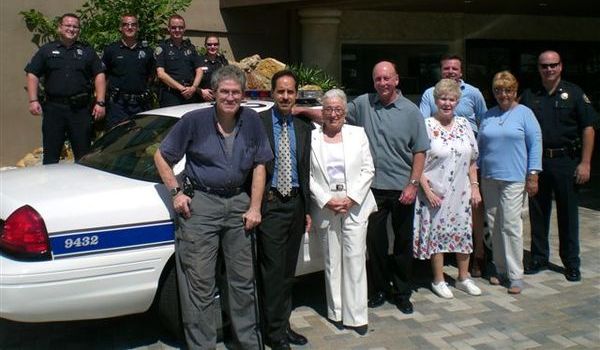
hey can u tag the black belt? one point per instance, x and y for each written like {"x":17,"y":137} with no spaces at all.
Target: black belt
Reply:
{"x":220,"y":191}
{"x":129,"y":97}
{"x":273,"y":193}
{"x":69,"y":100}
{"x":557,"y":152}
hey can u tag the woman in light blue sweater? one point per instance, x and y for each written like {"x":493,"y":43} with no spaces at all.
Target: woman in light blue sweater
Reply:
{"x":510,"y":157}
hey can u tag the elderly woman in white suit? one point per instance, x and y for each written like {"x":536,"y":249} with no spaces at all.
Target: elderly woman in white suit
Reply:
{"x":341,"y":172}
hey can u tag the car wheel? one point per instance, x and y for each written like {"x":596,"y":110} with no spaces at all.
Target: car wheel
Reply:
{"x":167,"y":304}
{"x":168,"y":307}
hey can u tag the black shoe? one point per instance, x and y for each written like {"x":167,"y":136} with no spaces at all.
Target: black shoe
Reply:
{"x":281,"y":344}
{"x":337,"y":324}
{"x":295,"y":338}
{"x":404,"y":305}
{"x":361,"y":330}
{"x":377,"y":300}
{"x":572,"y":274}
{"x":535,"y":267}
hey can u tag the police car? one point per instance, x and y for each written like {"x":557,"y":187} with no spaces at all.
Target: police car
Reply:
{"x":95,"y":239}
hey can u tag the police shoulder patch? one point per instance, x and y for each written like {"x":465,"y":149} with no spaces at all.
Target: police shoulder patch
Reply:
{"x":586,"y":99}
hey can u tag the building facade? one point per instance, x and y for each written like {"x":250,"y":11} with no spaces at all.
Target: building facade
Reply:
{"x":345,"y":38}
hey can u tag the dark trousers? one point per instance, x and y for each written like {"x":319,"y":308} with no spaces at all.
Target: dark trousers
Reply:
{"x":390,"y":274}
{"x":170,"y":97}
{"x":119,"y":110}
{"x":279,"y":236}
{"x":62,"y":121}
{"x":557,"y":178}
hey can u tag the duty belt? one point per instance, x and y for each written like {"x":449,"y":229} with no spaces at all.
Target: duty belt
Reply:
{"x":73,"y":100}
{"x":557,"y":152}
{"x":116,"y":94}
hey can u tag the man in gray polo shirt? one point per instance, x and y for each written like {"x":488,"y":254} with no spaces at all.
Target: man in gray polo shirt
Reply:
{"x":398,"y":140}
{"x":222,"y":145}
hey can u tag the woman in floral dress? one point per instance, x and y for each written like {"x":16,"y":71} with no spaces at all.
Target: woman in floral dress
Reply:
{"x":448,"y":187}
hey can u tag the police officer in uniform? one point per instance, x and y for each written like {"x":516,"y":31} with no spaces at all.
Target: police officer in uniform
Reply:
{"x":69,"y":68}
{"x":129,"y":68}
{"x":566,"y":117}
{"x":178,"y":67}
{"x":211,"y":61}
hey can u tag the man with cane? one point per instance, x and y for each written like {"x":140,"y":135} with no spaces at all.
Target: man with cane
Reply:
{"x":224,"y":145}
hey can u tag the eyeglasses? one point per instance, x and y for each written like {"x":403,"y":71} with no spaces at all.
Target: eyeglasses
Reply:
{"x":129,"y":24}
{"x":177,"y":27}
{"x":549,"y":65}
{"x":226,"y":93}
{"x":212,"y":44}
{"x":330,"y":110}
{"x":500,"y":91}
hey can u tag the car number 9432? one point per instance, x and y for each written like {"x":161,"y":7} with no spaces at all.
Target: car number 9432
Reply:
{"x":81,"y":241}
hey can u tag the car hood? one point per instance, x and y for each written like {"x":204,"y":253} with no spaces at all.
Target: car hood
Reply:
{"x":75,"y":197}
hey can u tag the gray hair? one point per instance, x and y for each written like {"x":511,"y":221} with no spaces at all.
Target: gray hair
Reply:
{"x":447,"y":87}
{"x":335,"y":93}
{"x":228,"y":73}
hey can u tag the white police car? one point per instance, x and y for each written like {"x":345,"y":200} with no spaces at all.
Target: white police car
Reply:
{"x":95,"y":239}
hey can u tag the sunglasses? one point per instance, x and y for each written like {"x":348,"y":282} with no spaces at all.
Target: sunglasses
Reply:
{"x":549,"y":65}
{"x":212,"y":44}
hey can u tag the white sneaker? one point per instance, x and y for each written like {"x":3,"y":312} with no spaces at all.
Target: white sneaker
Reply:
{"x":468,"y":286}
{"x":442,"y":290}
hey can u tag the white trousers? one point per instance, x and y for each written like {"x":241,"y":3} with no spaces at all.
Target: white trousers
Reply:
{"x":503,"y":201}
{"x":344,"y":249}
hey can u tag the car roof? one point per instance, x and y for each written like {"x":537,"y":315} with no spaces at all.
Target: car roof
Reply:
{"x":179,"y":111}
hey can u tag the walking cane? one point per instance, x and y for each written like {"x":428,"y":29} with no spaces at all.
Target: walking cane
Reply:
{"x":252,"y":234}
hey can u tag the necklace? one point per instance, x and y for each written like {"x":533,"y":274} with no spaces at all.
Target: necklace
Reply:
{"x":502,"y":121}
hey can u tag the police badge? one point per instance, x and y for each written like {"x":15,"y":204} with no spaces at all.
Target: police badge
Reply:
{"x":564,"y":96}
{"x":586,"y":99}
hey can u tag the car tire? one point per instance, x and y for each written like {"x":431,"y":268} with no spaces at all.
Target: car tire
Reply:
{"x":167,"y":303}
{"x":168,"y":307}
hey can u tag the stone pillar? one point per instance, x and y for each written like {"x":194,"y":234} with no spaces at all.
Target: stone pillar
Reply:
{"x":320,"y":45}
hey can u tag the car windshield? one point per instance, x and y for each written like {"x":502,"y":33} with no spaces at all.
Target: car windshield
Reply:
{"x":128,"y":149}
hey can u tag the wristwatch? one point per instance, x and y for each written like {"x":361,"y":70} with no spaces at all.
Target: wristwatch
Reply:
{"x":175,"y":191}
{"x":533,"y":172}
{"x":414,"y":182}
{"x":101,"y":103}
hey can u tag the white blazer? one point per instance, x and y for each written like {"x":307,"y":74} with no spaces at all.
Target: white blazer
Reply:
{"x":359,"y":171}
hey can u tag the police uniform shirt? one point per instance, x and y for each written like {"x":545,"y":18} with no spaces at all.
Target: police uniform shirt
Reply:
{"x":209,"y":67}
{"x":179,"y":62}
{"x":562,"y":115}
{"x":128,"y":69}
{"x":67,"y":71}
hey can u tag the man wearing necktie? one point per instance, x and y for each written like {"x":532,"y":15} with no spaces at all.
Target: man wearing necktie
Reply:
{"x":285,"y":211}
